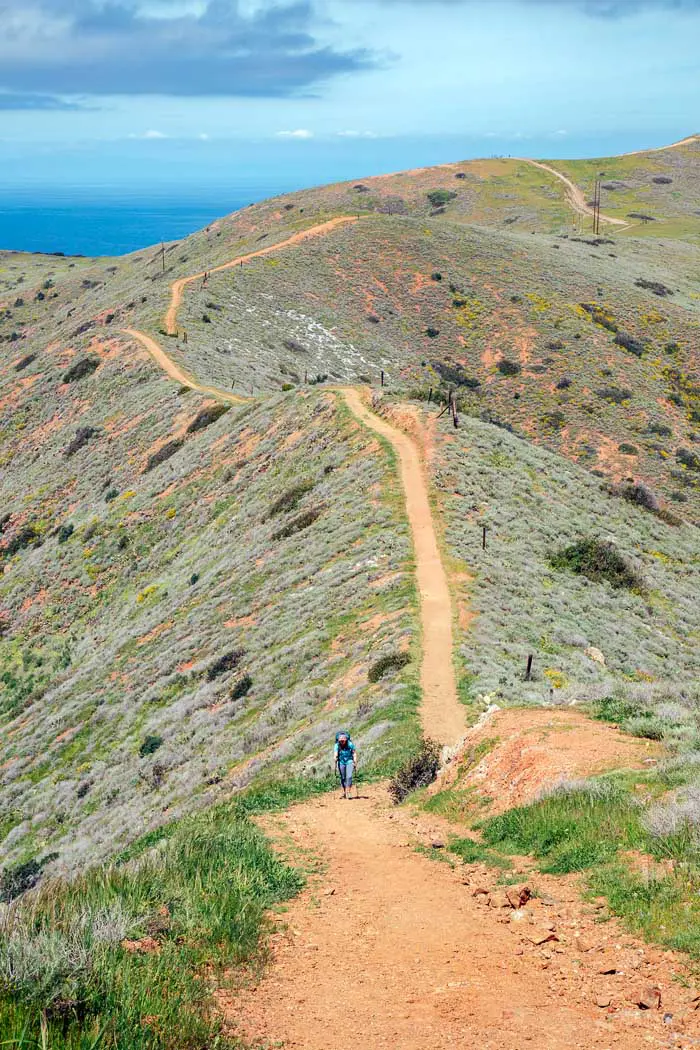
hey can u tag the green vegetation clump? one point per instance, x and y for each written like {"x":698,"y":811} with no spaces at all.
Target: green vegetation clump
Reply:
{"x":27,"y":536}
{"x":82,"y":436}
{"x":298,"y":524}
{"x":628,"y":342}
{"x":639,"y":494}
{"x":509,"y":368}
{"x":387,"y":664}
{"x":17,"y":880}
{"x":598,"y":560}
{"x":419,"y":771}
{"x":150,"y":745}
{"x":206,"y":416}
{"x":84,"y":367}
{"x":579,"y":825}
{"x":653,"y":286}
{"x":617,"y":395}
{"x":290,"y":499}
{"x":689,"y":459}
{"x":241,"y":688}
{"x":225,"y":663}
{"x":439,"y":198}
{"x":24,"y":362}
{"x":123,"y":956}
{"x":455,"y":375}
{"x":164,"y":452}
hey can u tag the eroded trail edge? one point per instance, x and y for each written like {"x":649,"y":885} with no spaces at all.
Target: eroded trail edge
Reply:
{"x":442,"y":715}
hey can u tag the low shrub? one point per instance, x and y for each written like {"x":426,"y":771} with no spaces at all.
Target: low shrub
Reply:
{"x":164,"y":452}
{"x":455,"y":375}
{"x":242,"y":687}
{"x":599,"y":561}
{"x":82,"y":436}
{"x":554,"y":421}
{"x":22,"y":877}
{"x":659,"y":428}
{"x":150,"y":744}
{"x":599,"y":315}
{"x":206,"y":416}
{"x":290,"y":499}
{"x":653,"y":286}
{"x":509,"y":368}
{"x":564,"y":383}
{"x":432,"y":333}
{"x":298,"y":524}
{"x":25,"y":362}
{"x":628,"y":342}
{"x":417,"y":772}
{"x":628,"y":450}
{"x":295,"y":346}
{"x":387,"y":664}
{"x":225,"y":663}
{"x":85,"y":367}
{"x":662,"y":180}
{"x":64,"y":533}
{"x":640,"y":495}
{"x":616,"y":394}
{"x":438,"y":198}
{"x":689,"y":459}
{"x":26,"y":536}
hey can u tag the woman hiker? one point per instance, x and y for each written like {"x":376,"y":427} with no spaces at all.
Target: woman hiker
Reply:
{"x":345,"y":760}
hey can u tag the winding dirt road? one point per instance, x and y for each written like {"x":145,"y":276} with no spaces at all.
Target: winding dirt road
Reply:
{"x":574,"y":194}
{"x":177,"y":288}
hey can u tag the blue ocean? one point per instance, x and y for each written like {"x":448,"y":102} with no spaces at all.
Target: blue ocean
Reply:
{"x":108,"y":226}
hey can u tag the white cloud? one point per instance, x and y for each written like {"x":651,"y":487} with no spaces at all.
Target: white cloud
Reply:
{"x":203,"y":137}
{"x":358,"y":135}
{"x":298,"y":133}
{"x":149,"y":135}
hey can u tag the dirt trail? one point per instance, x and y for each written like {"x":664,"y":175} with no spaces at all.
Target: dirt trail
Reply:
{"x":179,"y":374}
{"x":177,"y":288}
{"x":660,"y":149}
{"x":574,"y":194}
{"x":442,"y":715}
{"x":390,"y":949}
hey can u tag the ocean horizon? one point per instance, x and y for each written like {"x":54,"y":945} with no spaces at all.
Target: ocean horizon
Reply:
{"x":109,"y":225}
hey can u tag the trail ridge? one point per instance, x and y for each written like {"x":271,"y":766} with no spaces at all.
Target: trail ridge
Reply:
{"x":442,"y":715}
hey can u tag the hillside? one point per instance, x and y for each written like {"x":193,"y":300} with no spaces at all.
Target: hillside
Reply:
{"x":214,"y":553}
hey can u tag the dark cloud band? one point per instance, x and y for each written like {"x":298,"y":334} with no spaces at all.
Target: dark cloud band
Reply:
{"x":93,"y":48}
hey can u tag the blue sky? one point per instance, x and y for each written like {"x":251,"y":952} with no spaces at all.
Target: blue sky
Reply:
{"x":99,"y":92}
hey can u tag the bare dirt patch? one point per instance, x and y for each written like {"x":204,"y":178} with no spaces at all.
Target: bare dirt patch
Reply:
{"x":536,"y":748}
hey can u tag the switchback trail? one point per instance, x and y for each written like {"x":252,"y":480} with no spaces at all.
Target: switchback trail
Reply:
{"x":179,"y":374}
{"x":177,"y":288}
{"x":574,"y":194}
{"x":442,"y":715}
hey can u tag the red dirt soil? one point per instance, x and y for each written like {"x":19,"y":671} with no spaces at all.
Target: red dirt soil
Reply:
{"x":387,"y":948}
